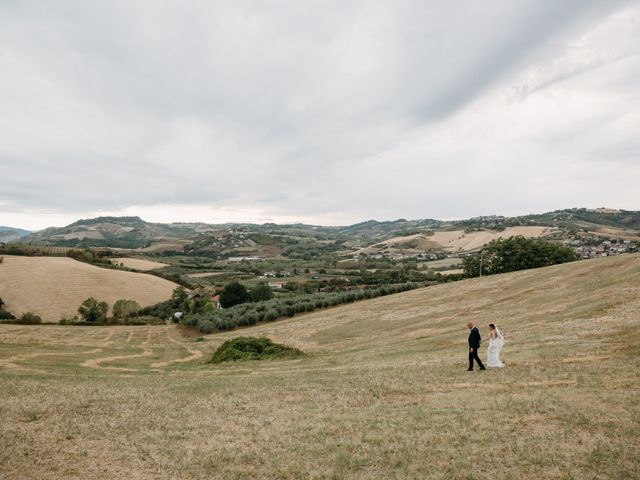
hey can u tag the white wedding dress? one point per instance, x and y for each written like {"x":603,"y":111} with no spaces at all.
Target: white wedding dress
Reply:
{"x":495,"y":346}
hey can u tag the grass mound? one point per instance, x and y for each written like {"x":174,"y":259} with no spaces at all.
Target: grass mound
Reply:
{"x":252,"y":348}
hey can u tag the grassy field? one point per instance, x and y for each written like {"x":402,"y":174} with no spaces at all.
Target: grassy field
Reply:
{"x":54,"y":287}
{"x":451,"y":241}
{"x":138,"y":263}
{"x":382,"y":394}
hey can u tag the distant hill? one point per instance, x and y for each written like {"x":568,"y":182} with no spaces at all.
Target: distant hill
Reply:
{"x":569,"y":218}
{"x":9,"y":234}
{"x":307,"y":241}
{"x":116,"y":232}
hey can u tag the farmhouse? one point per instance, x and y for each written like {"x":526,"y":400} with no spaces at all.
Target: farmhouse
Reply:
{"x":205,"y":293}
{"x":216,"y":302}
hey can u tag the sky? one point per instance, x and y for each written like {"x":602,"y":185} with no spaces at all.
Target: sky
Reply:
{"x":323,"y":112}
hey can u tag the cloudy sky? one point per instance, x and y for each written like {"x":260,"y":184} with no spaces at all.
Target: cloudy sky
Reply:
{"x":326,"y":112}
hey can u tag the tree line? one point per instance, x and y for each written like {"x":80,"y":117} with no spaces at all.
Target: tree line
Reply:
{"x":516,"y":253}
{"x":252,"y":313}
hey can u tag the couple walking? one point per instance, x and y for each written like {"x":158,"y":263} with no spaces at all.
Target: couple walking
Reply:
{"x":496,"y":341}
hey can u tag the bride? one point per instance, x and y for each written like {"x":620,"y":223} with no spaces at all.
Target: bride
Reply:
{"x":496,"y":341}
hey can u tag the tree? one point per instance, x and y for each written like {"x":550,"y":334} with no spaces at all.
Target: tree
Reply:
{"x":516,"y":253}
{"x":178,"y":296}
{"x":93,"y":311}
{"x":234,"y":294}
{"x":261,"y":292}
{"x":201,"y":305}
{"x":123,"y":308}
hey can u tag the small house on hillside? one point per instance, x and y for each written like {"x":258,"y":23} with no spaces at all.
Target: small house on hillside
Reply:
{"x":211,"y":295}
{"x":216,"y":302}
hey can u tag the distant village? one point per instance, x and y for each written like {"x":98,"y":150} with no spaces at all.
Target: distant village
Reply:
{"x":594,"y":246}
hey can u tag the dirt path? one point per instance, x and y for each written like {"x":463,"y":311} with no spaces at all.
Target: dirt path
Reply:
{"x":97,"y":362}
{"x":195,"y":354}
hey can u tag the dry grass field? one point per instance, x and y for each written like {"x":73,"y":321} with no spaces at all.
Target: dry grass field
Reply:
{"x":451,"y":241}
{"x":204,"y":274}
{"x":458,"y":240}
{"x":54,"y":287}
{"x":139,"y":264}
{"x":382,"y":394}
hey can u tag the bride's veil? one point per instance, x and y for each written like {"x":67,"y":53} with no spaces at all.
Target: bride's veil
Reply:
{"x":499,"y":336}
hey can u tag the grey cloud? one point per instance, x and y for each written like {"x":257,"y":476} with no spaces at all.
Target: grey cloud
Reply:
{"x":307,"y":108}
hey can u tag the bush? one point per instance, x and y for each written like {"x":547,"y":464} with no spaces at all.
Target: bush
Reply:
{"x":252,"y":348}
{"x":4,"y":315}
{"x":143,"y":320}
{"x":69,"y":320}
{"x":261,"y":293}
{"x":125,"y":308}
{"x":29,"y":318}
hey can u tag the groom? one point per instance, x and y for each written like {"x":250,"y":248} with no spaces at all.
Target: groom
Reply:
{"x":474,"y":345}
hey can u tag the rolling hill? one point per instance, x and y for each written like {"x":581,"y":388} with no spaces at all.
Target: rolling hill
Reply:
{"x":382,"y":393}
{"x":451,"y":241}
{"x":117,"y":232}
{"x":10,"y":234}
{"x":54,"y":287}
{"x":299,"y":240}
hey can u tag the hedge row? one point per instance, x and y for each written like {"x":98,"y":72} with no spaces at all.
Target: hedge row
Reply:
{"x":248,"y":314}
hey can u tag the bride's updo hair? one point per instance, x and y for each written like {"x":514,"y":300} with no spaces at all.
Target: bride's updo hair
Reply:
{"x":492,"y":326}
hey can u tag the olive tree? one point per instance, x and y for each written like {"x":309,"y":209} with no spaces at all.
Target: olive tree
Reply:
{"x":93,"y":311}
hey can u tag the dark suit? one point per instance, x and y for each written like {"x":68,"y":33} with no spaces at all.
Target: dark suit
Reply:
{"x":474,"y":345}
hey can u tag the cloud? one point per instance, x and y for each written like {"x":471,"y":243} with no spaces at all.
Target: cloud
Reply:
{"x":318,"y":111}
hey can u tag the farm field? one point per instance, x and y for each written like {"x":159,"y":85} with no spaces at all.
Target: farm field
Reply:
{"x":205,"y":274}
{"x":139,"y":263}
{"x":454,"y":271}
{"x":54,"y":287}
{"x":383,"y":392}
{"x":460,"y":241}
{"x":452,"y":241}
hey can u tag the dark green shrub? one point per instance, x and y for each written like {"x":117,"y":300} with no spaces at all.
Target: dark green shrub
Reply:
{"x":4,"y":315}
{"x":143,"y":320}
{"x":206,"y":327}
{"x":252,"y":348}
{"x":261,"y":293}
{"x":29,"y":318}
{"x":69,"y":320}
{"x":125,"y":308}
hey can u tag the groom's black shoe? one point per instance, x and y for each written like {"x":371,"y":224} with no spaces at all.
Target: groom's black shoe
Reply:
{"x":469,"y":369}
{"x":483,"y":368}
